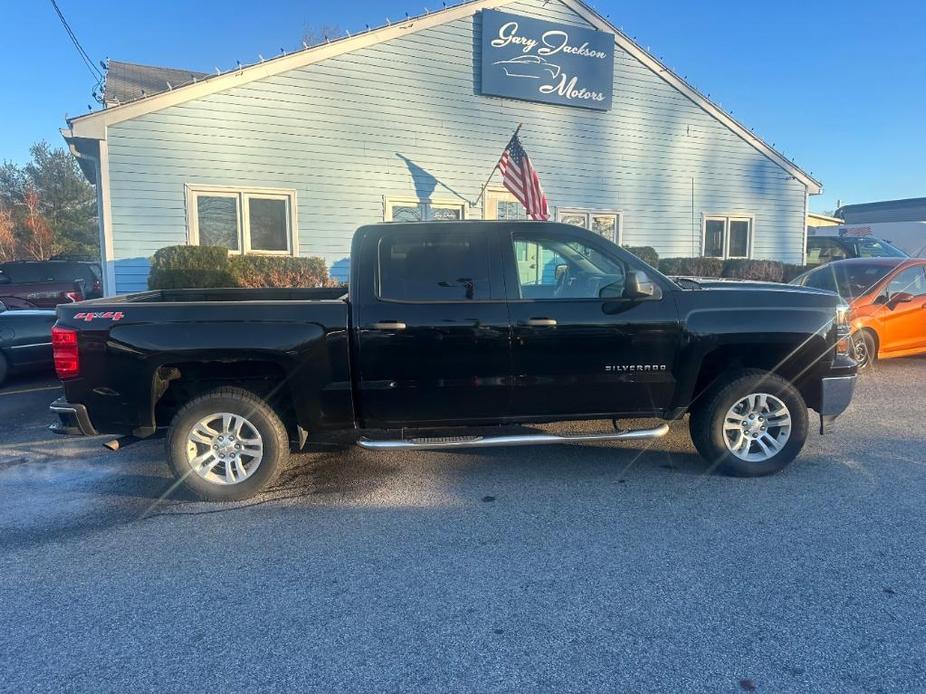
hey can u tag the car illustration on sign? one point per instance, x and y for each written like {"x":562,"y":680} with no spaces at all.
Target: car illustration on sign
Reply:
{"x":530,"y":66}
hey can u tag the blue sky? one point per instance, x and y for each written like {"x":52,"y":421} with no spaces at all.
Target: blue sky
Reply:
{"x":838,"y":86}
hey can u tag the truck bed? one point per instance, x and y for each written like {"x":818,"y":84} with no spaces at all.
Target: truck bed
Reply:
{"x":130,"y":344}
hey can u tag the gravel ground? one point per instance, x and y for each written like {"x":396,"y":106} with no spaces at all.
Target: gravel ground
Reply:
{"x":551,"y":568}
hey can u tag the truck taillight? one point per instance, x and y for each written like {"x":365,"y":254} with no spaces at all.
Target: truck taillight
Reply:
{"x":64,"y":349}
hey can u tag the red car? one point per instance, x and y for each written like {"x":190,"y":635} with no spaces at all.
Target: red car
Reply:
{"x":888,"y":301}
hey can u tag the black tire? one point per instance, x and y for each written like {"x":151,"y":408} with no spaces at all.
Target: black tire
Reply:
{"x":708,"y":416}
{"x":4,"y":369}
{"x":866,"y":349}
{"x":260,"y":418}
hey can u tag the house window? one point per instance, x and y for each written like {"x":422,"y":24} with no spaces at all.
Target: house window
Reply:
{"x":727,"y":237}
{"x":499,"y":204}
{"x":510,"y":210}
{"x":243,"y":221}
{"x":606,"y":223}
{"x":412,"y":210}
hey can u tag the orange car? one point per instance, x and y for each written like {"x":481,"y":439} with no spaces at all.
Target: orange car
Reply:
{"x":888,"y":301}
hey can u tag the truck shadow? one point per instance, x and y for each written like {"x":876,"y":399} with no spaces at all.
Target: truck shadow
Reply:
{"x":348,"y":475}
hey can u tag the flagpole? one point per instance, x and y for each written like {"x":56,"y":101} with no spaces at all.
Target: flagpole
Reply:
{"x":495,"y":168}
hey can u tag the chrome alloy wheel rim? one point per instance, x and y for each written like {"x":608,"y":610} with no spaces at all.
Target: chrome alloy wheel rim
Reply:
{"x":224,"y":448}
{"x":757,"y":427}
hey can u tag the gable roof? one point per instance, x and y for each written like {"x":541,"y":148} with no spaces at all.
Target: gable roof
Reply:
{"x":126,"y":82}
{"x":93,"y":125}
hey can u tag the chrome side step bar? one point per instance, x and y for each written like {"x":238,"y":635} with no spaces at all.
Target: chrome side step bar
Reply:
{"x":443,"y":442}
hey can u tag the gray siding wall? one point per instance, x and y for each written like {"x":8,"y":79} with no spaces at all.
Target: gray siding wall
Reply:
{"x":404,"y":118}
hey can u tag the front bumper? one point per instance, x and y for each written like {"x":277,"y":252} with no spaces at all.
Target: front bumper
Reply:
{"x":836,"y":394}
{"x":72,"y":419}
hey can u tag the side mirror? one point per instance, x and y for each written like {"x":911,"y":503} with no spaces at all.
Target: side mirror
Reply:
{"x":560,"y":271}
{"x":899,"y":298}
{"x":640,"y":286}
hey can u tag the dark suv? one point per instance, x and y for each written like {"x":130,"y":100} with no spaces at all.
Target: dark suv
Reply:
{"x":825,"y":249}
{"x":47,"y":283}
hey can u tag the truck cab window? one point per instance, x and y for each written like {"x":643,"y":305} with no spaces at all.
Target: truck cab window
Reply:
{"x":550,"y":268}
{"x":434,"y":267}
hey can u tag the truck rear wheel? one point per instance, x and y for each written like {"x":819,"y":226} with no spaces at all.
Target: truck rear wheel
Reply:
{"x":753,"y":424}
{"x":226,"y":445}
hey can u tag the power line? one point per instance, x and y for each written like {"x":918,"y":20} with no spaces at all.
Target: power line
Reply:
{"x":94,"y":70}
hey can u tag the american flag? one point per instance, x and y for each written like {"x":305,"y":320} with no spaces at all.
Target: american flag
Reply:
{"x":520,"y":177}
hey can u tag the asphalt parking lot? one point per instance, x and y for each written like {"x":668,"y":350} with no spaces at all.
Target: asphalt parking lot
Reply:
{"x":551,"y":568}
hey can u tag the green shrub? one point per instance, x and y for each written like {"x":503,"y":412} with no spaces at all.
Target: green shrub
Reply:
{"x":691,"y":267}
{"x":645,"y":253}
{"x":758,"y":270}
{"x":277,"y":271}
{"x":190,"y":267}
{"x":200,"y":267}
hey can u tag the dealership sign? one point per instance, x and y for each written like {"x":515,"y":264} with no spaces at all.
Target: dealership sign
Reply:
{"x":525,"y":58}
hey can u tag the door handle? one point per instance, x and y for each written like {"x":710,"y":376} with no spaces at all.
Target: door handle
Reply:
{"x":541,"y":322}
{"x":389,"y":325}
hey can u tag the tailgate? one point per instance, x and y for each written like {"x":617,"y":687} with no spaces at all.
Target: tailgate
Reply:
{"x":96,"y":382}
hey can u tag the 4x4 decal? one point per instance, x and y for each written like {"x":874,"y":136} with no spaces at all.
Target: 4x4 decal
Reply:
{"x":108,"y":315}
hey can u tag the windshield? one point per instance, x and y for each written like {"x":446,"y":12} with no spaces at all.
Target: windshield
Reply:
{"x":847,"y":280}
{"x":873,"y":248}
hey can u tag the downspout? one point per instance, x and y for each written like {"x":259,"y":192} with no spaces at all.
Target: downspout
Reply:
{"x":104,"y":261}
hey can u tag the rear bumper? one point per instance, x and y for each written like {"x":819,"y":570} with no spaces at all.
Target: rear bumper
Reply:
{"x":72,"y":419}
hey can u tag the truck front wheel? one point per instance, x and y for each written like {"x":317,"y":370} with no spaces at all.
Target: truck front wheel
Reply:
{"x":226,"y":445}
{"x":752,"y":424}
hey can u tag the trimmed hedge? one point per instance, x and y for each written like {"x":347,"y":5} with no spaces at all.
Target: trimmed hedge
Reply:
{"x":203,"y":267}
{"x":735,"y":268}
{"x":645,"y":253}
{"x":190,"y":267}
{"x":759,"y":270}
{"x":275,"y":271}
{"x":691,"y":267}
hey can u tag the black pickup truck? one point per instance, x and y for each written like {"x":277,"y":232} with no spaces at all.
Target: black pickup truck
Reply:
{"x":454,"y":335}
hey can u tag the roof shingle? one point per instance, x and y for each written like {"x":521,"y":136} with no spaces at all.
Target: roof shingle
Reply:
{"x":128,"y":81}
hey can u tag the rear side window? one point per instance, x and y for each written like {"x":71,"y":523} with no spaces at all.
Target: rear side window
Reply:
{"x":30,"y":273}
{"x":24,"y":273}
{"x":434,"y":267}
{"x":68,"y":272}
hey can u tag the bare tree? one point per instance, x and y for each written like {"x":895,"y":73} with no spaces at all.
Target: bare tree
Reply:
{"x":313,"y":34}
{"x":7,"y":237}
{"x":40,"y":241}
